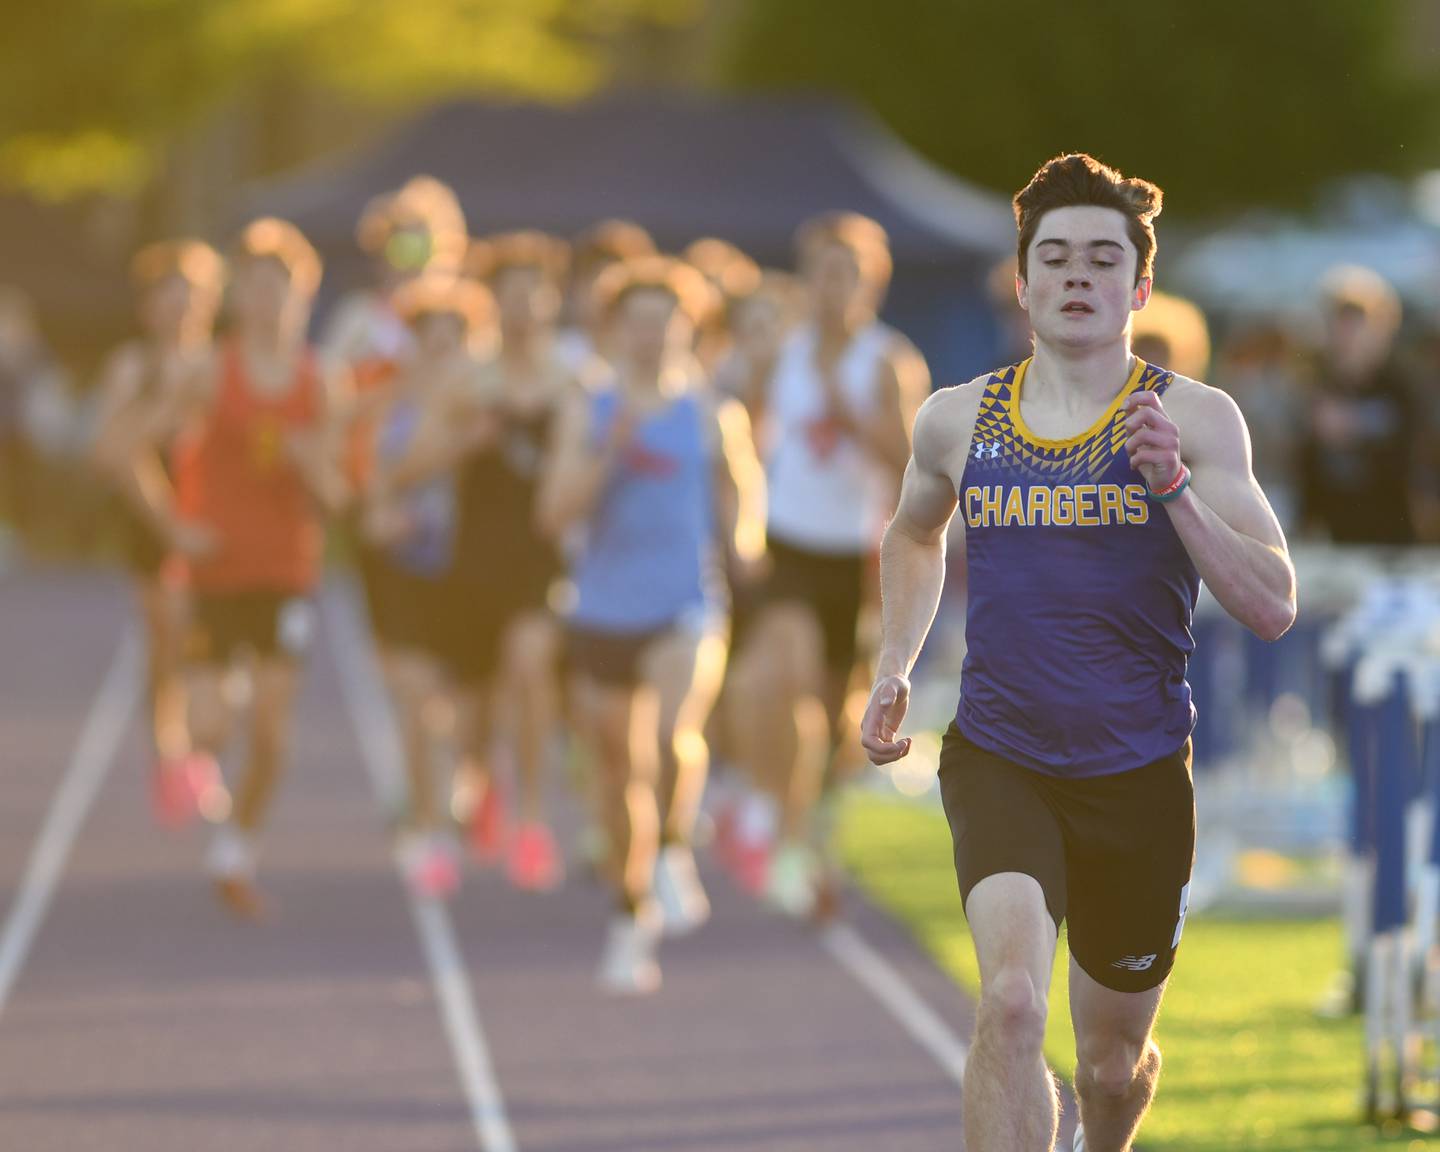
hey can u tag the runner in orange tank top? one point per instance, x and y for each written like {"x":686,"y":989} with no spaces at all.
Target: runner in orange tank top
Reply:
{"x":256,"y":471}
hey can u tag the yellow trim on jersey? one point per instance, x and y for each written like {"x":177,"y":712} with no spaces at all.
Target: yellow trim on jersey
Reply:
{"x":1021,"y":430}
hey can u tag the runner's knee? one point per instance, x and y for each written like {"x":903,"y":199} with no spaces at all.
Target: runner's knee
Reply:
{"x":1012,"y":1005}
{"x":1109,"y":1065}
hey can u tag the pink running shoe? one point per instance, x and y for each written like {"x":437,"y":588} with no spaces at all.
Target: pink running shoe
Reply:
{"x":207,"y":788}
{"x":750,"y":865}
{"x":486,"y":831}
{"x":533,"y":863}
{"x":432,"y":870}
{"x":171,"y":799}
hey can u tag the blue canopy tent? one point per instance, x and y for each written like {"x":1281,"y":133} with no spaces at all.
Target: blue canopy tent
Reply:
{"x":747,"y":170}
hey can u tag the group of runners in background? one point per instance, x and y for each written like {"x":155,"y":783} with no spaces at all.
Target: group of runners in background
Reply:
{"x":608,"y":507}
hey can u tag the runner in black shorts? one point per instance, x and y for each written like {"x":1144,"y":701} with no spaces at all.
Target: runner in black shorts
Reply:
{"x":409,"y":533}
{"x":1066,"y":775}
{"x":494,"y":442}
{"x":256,"y":471}
{"x":179,"y":285}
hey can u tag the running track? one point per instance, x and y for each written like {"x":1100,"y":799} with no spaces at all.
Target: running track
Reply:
{"x":135,"y":1016}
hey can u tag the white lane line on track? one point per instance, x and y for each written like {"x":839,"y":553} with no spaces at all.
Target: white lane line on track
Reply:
{"x":379,"y":741}
{"x":886,"y":984}
{"x":100,"y":737}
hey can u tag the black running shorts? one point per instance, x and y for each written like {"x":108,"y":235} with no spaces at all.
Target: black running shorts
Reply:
{"x":1113,"y":854}
{"x":409,"y":612}
{"x":267,"y":624}
{"x":612,"y":659}
{"x":831,"y":586}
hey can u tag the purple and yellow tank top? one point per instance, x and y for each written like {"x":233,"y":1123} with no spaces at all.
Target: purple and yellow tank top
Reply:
{"x":1080,"y":594}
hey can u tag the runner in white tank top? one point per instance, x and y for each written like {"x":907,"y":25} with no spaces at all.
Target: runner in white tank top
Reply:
{"x":835,"y":429}
{"x":828,"y":492}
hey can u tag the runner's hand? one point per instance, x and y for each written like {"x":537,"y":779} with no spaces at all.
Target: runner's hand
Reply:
{"x":1154,"y":443}
{"x":883,"y":716}
{"x":385,"y":523}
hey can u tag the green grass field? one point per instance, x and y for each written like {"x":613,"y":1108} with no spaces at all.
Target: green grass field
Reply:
{"x":1248,"y":1065}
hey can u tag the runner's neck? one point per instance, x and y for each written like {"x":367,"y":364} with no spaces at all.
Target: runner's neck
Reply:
{"x":1074,"y":380}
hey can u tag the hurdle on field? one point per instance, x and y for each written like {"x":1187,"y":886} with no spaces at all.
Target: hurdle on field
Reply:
{"x":1386,"y":657}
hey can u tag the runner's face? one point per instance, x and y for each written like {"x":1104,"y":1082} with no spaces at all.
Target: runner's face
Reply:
{"x":587,"y":309}
{"x":439,"y":333}
{"x":525,"y":298}
{"x":1355,"y":343}
{"x":834,"y":278}
{"x":166,"y":306}
{"x":759,"y":326}
{"x":262,"y":291}
{"x":1081,"y":286}
{"x":652,"y":326}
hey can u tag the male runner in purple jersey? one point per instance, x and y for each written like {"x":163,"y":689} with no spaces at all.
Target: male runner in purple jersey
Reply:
{"x":1096,"y":492}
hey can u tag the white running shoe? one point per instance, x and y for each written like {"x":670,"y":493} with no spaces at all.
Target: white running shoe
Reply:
{"x":683,"y":902}
{"x":628,"y":967}
{"x":231,"y":865}
{"x":231,"y":856}
{"x":790,"y":886}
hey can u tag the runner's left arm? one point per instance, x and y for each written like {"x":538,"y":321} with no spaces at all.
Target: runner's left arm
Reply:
{"x":1222,"y":517}
{"x":316,"y":452}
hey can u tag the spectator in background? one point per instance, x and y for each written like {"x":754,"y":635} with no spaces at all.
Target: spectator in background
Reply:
{"x":1427,"y":466}
{"x":1259,"y":366}
{"x":1171,"y":332}
{"x":1012,"y":322}
{"x":41,"y":429}
{"x":1361,"y":436}
{"x":12,"y":433}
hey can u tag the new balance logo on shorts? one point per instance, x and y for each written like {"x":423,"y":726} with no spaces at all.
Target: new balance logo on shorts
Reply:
{"x":1135,"y":963}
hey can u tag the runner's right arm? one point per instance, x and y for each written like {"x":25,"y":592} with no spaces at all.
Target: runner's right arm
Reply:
{"x":912,"y":560}
{"x":450,"y":430}
{"x":578,"y":468}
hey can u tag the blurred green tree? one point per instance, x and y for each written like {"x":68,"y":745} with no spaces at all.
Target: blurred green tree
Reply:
{"x":94,"y":89}
{"x":1226,"y":104}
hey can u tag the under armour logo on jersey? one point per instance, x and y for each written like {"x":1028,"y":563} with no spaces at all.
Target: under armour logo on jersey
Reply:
{"x":1135,"y":963}
{"x":987,"y":450}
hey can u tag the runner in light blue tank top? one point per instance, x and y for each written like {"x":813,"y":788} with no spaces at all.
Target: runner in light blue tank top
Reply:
{"x":647,"y":560}
{"x":648,"y":471}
